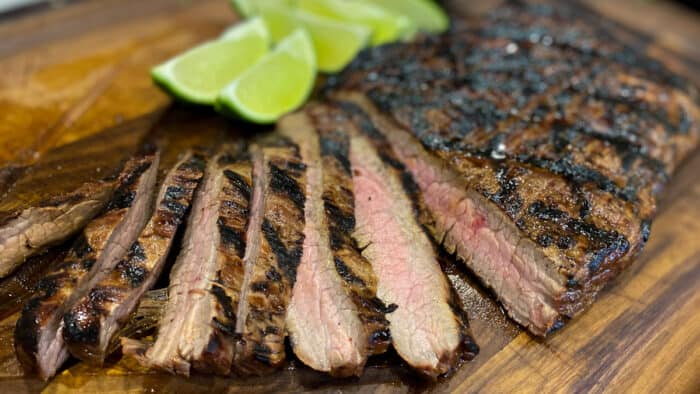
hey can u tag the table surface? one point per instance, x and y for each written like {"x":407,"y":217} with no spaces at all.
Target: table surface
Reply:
{"x":69,"y":73}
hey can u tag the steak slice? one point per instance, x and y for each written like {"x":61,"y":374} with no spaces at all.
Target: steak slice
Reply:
{"x":334,"y":318}
{"x":56,"y":197}
{"x":17,"y":288}
{"x":428,"y":328}
{"x":274,"y":237}
{"x":38,"y":333}
{"x":93,"y":320}
{"x":540,"y":144}
{"x":196,"y":331}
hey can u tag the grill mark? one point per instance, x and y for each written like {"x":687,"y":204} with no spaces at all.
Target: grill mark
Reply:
{"x":81,"y":247}
{"x":226,"y":304}
{"x":174,"y":193}
{"x":273,"y":275}
{"x":578,"y":174}
{"x":336,"y":146}
{"x":136,"y":252}
{"x":232,"y":237}
{"x":174,"y":207}
{"x":124,"y":195}
{"x":362,"y":120}
{"x":346,"y":273}
{"x":281,"y":182}
{"x":287,"y":260}
{"x":343,"y":222}
{"x":238,"y":182}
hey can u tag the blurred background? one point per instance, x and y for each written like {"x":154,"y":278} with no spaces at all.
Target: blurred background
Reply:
{"x":9,"y":8}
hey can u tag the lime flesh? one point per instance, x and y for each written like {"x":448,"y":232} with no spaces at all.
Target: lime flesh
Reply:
{"x":199,"y":74}
{"x":386,"y":26}
{"x":336,"y":43}
{"x":426,"y":15}
{"x":277,"y":84}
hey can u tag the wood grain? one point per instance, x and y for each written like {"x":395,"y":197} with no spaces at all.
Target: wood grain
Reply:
{"x":75,"y":73}
{"x":61,"y":80}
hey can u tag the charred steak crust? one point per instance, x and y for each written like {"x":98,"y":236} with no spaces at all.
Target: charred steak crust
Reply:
{"x":38,"y":333}
{"x":270,"y":275}
{"x":92,"y":321}
{"x":568,"y":132}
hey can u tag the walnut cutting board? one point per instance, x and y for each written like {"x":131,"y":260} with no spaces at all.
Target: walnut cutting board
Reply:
{"x":69,"y":73}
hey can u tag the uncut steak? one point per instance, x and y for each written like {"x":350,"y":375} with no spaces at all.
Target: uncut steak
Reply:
{"x":38,"y":334}
{"x":539,"y":143}
{"x":335,"y":320}
{"x":92,"y":321}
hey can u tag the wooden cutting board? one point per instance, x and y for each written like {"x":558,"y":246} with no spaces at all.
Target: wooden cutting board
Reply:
{"x":71,"y":72}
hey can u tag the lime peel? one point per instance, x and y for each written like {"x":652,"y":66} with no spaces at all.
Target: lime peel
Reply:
{"x":279,"y":83}
{"x":197,"y":75}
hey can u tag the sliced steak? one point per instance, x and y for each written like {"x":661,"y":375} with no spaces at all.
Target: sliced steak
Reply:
{"x":540,"y":144}
{"x":334,"y":319}
{"x":196,"y":331}
{"x":38,"y":334}
{"x":428,"y":328}
{"x":56,"y":197}
{"x":17,"y":288}
{"x":93,"y":320}
{"x":274,"y":247}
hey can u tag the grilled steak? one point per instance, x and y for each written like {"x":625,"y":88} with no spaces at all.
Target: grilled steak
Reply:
{"x":197,"y":328}
{"x":540,"y":144}
{"x":274,"y":247}
{"x":17,"y":288}
{"x":92,"y":321}
{"x":38,"y":334}
{"x":428,"y":328}
{"x":334,"y":318}
{"x":58,"y":196}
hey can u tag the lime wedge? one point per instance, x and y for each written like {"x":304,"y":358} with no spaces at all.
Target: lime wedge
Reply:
{"x":386,"y":26}
{"x":336,"y":43}
{"x":199,"y":74}
{"x":425,"y":14}
{"x":279,"y":83}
